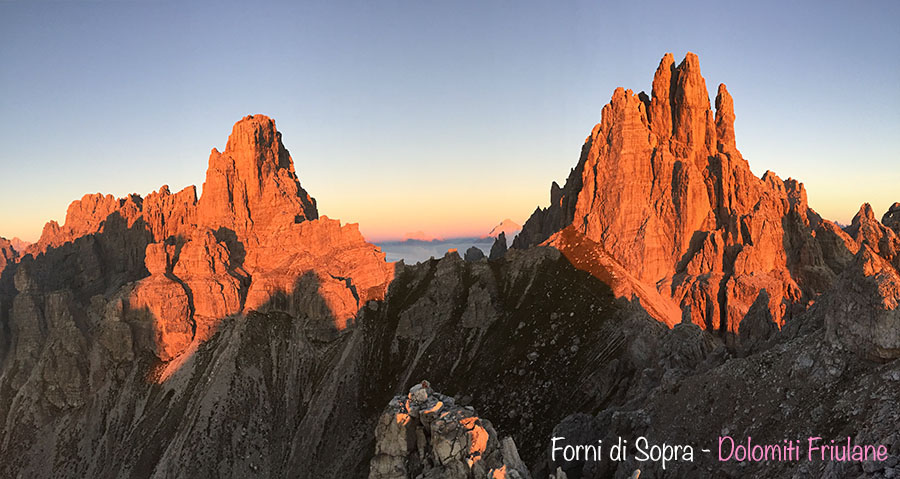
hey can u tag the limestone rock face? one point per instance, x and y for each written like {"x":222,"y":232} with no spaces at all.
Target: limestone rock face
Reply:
{"x":27,"y":326}
{"x":8,"y":253}
{"x":280,"y":254}
{"x":158,"y":217}
{"x":758,"y":326}
{"x":891,"y":218}
{"x":661,"y":100}
{"x":253,"y":241}
{"x":474,"y":253}
{"x":169,"y":214}
{"x":160,"y":308}
{"x":425,"y":434}
{"x":251,"y":187}
{"x":204,"y":268}
{"x":318,"y":268}
{"x":19,"y":244}
{"x":587,"y":255}
{"x":87,"y":216}
{"x":48,"y":351}
{"x":423,"y":317}
{"x":862,"y":310}
{"x":498,"y":249}
{"x":241,"y":335}
{"x":882,"y":240}
{"x":691,"y":115}
{"x":725,"y":120}
{"x":253,"y":178}
{"x":662,"y":189}
{"x":63,"y":364}
{"x":99,"y":248}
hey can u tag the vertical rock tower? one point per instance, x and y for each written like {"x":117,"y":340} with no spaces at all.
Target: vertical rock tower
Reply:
{"x":663,"y":191}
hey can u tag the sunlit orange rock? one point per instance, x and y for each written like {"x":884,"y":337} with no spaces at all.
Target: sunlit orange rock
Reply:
{"x":725,"y":120}
{"x":660,"y":104}
{"x":169,"y":214}
{"x":252,"y":241}
{"x":663,"y":191}
{"x":8,"y":253}
{"x":587,"y":255}
{"x":159,"y":307}
{"x":161,"y":213}
{"x":204,"y":268}
{"x":866,"y":230}
{"x":321,"y":268}
{"x":295,"y":261}
{"x":87,"y":216}
{"x":251,"y":187}
{"x":477,"y":439}
{"x":19,"y":244}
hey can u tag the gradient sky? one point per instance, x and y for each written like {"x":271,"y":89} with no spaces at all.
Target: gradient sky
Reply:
{"x":444,"y":117}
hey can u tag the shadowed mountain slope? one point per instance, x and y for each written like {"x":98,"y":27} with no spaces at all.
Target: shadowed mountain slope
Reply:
{"x":240,"y":334}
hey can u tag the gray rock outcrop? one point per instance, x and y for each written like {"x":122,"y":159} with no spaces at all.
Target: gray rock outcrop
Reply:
{"x":474,"y":253}
{"x":426,"y":435}
{"x":498,"y":249}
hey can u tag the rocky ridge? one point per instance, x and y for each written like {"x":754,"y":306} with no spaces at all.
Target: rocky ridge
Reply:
{"x":253,"y":236}
{"x":242,"y":335}
{"x":424,"y":434}
{"x":8,"y":253}
{"x":508,"y":227}
{"x":663,"y":191}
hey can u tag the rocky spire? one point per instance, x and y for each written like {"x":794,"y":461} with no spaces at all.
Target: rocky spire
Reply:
{"x":691,"y":115}
{"x":8,"y":253}
{"x":498,"y":249}
{"x":661,"y":102}
{"x":725,"y":120}
{"x":864,"y":214}
{"x":662,"y":190}
{"x":891,"y":218}
{"x":866,"y":230}
{"x":251,"y":187}
{"x":252,"y":235}
{"x":860,"y":310}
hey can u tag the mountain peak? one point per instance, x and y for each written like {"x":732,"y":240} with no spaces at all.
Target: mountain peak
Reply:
{"x":725,"y":119}
{"x":691,"y":62}
{"x":507,"y":226}
{"x":661,"y":188}
{"x":255,"y":134}
{"x":252,"y":187}
{"x":891,"y":217}
{"x":865,"y":213}
{"x":691,"y":117}
{"x":419,"y":236}
{"x":19,"y":244}
{"x":660,"y":104}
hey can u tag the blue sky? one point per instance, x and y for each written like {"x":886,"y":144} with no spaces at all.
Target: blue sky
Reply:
{"x":441,"y":117}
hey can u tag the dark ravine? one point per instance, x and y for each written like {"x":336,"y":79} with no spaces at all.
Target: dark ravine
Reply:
{"x":241,"y":334}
